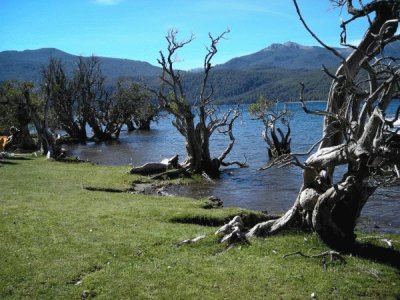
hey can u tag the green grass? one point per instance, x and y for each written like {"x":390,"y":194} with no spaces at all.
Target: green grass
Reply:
{"x":58,"y":239}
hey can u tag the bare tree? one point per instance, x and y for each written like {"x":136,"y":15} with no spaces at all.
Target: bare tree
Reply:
{"x":91,"y":96}
{"x":357,"y":133}
{"x":198,"y":121}
{"x":275,"y":121}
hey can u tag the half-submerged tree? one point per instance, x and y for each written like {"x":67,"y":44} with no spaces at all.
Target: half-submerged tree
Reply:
{"x":60,"y":91}
{"x":357,"y":133}
{"x":275,"y":123}
{"x":195,"y":119}
{"x":93,"y":101}
{"x":134,"y":105}
{"x":81,"y":100}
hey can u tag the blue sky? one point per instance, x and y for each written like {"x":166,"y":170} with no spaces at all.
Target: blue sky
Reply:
{"x":136,"y":29}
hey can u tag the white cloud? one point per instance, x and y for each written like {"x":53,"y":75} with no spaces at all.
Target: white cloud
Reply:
{"x":108,"y":2}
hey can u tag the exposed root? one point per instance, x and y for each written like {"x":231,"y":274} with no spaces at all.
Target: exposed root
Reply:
{"x":233,"y":232}
{"x":208,"y":178}
{"x":370,"y":271}
{"x":333,"y":256}
{"x":274,"y":226}
{"x":235,"y":237}
{"x":388,"y":242}
{"x":190,"y":241}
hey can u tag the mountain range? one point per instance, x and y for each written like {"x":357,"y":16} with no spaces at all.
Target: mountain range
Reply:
{"x":289,"y":55}
{"x":274,"y":72}
{"x":27,"y":65}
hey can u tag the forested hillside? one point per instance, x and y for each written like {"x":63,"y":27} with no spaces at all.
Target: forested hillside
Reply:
{"x":274,"y":72}
{"x":245,"y":86}
{"x":28,"y":64}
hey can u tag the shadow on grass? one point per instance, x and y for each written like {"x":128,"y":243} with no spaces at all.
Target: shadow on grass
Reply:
{"x":2,"y":162}
{"x":199,"y":220}
{"x":72,"y":159}
{"x":383,"y":255}
{"x":10,"y":160}
{"x":15,"y":158}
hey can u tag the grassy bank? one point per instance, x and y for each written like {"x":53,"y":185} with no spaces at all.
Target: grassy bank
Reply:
{"x":59,"y":240}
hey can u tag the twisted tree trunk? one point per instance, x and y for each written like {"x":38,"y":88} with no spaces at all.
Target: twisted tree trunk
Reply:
{"x":352,"y":136}
{"x":197,"y":133}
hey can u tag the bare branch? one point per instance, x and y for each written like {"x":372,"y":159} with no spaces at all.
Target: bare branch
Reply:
{"x":212,"y":50}
{"x":231,"y":137}
{"x":313,"y":112}
{"x":331,"y":49}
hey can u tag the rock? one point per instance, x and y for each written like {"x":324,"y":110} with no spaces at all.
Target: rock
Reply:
{"x":216,"y":201}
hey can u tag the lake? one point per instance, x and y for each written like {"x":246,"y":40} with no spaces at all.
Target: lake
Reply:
{"x":272,"y":190}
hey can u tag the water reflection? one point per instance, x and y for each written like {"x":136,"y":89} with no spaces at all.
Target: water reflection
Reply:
{"x":273,"y":190}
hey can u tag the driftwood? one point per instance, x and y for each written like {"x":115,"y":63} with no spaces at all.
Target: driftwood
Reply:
{"x":154,"y":168}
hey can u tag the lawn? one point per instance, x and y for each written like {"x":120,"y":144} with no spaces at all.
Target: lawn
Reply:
{"x":59,"y":240}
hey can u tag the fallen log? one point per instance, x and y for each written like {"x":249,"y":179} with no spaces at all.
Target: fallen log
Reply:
{"x":154,"y":168}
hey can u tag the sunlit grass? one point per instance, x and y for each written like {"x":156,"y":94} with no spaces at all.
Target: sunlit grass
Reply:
{"x":59,"y":240}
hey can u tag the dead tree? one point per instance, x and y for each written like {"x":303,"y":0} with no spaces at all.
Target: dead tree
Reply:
{"x":195,"y":120}
{"x":356,"y":133}
{"x":278,"y":142}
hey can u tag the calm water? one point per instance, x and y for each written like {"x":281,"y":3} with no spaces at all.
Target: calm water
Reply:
{"x":273,"y":190}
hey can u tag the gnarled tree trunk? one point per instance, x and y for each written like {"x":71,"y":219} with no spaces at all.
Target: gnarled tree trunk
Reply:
{"x":355,"y":134}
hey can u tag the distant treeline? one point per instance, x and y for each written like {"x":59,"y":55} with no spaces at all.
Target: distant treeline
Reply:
{"x":245,"y":86}
{"x":236,"y":86}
